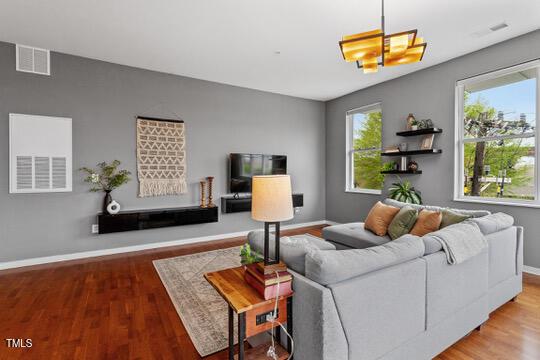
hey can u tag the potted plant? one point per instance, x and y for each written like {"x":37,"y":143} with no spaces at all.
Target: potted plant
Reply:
{"x":247,"y":256}
{"x":404,"y":191}
{"x":414,"y":125}
{"x":106,"y":178}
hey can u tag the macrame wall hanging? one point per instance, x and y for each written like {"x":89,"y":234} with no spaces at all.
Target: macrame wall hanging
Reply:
{"x":161,"y":157}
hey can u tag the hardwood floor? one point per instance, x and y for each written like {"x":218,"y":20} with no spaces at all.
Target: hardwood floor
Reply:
{"x":115,"y":307}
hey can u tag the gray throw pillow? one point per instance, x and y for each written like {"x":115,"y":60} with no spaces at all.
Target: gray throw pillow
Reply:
{"x":402,"y":222}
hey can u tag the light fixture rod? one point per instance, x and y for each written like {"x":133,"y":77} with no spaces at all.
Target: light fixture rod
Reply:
{"x":382,"y":16}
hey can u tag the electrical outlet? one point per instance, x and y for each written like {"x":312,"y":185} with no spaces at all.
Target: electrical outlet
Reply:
{"x":95,"y":228}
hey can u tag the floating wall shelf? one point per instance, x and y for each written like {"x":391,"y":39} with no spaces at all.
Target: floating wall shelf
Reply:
{"x":419,"y":132}
{"x":413,"y":152}
{"x":402,"y":172}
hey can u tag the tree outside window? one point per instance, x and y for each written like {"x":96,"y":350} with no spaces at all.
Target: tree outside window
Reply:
{"x":364,"y":152}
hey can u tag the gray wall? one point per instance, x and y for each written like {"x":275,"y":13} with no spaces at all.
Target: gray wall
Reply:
{"x":427,"y":93}
{"x":103,"y":100}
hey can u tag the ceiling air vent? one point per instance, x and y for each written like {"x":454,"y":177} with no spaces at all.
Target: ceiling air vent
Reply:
{"x":33,"y":60}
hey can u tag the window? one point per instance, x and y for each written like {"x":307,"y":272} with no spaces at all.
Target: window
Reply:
{"x":496,"y":137}
{"x":364,"y":131}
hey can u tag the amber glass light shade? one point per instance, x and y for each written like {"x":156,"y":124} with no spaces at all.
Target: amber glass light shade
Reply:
{"x":362,"y":46}
{"x":398,"y":44}
{"x":370,"y":65}
{"x":412,"y":55}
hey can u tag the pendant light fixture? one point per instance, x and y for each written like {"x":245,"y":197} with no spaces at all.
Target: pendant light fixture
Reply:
{"x":373,"y":48}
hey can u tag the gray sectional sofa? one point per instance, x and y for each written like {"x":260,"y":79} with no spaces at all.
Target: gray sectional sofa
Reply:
{"x":398,"y":299}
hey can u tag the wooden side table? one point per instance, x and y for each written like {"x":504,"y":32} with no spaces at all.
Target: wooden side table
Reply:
{"x":251,"y":309}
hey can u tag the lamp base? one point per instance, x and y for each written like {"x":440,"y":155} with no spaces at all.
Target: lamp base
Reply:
{"x":266,"y":253}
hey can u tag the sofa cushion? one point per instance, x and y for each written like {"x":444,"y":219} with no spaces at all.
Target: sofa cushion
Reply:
{"x":379,"y":217}
{"x":472,"y":213}
{"x":330,"y":267}
{"x":450,"y":217}
{"x":503,"y":247}
{"x":402,"y":222}
{"x":428,"y":221}
{"x":353,"y":235}
{"x":292,"y":249}
{"x":494,"y":222}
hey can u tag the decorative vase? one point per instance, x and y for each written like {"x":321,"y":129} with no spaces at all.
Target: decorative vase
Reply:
{"x":410,"y":120}
{"x":106,"y":201}
{"x":113,"y":207}
{"x":413,"y":166}
{"x":210,"y":180}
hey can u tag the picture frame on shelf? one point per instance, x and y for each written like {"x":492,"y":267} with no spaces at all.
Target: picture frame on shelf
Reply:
{"x":426,"y":143}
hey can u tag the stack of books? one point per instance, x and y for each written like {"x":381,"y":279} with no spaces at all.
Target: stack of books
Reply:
{"x":265,"y":280}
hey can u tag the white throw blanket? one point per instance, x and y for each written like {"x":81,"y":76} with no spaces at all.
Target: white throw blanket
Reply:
{"x":461,"y":241}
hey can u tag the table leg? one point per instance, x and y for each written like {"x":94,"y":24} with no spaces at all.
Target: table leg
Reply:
{"x":289,"y":323}
{"x":231,"y":333}
{"x":241,"y":334}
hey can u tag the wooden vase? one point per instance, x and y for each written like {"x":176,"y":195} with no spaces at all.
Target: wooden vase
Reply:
{"x":210,"y":180}
{"x":203,"y":194}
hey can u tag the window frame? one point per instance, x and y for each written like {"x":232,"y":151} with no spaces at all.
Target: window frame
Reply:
{"x":349,"y":151}
{"x":459,"y":138}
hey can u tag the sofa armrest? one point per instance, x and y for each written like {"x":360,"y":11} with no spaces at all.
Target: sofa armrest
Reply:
{"x":317,"y":330}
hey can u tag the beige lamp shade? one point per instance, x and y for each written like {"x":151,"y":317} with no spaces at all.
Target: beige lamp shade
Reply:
{"x":271,"y":198}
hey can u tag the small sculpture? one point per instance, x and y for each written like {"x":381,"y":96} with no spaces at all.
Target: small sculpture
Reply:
{"x":410,"y":120}
{"x":210,"y":184}
{"x":413,"y":166}
{"x":203,"y":194}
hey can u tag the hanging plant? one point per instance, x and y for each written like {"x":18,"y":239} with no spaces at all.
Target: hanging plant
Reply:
{"x":404,"y":191}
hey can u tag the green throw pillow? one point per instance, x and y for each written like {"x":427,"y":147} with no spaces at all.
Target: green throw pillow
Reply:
{"x":402,"y":222}
{"x":450,"y":217}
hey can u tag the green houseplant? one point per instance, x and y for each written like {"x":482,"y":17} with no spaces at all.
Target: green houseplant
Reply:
{"x":404,"y":191}
{"x":248,"y":256}
{"x":106,"y":178}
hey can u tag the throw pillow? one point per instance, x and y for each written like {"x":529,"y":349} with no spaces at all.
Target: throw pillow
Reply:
{"x":450,"y":217}
{"x":428,"y":221}
{"x":379,"y":217}
{"x":402,"y":222}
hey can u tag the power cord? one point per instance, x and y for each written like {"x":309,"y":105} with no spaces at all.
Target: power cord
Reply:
{"x":271,"y":353}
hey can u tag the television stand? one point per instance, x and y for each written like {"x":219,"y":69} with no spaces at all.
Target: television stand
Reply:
{"x":235,"y":203}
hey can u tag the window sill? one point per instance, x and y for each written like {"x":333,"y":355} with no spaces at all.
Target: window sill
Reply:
{"x":488,"y":201}
{"x":364,"y":191}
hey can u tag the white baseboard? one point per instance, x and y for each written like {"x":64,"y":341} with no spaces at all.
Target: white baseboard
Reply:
{"x":125,"y":249}
{"x":531,"y":270}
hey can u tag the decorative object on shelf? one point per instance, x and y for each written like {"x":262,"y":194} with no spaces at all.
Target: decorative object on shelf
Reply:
{"x":391,"y":149}
{"x":414,"y":125}
{"x":425,"y":124}
{"x":389,"y":165}
{"x":247,"y":256}
{"x":403,"y":163}
{"x":427,"y":142}
{"x":393,"y":49}
{"x":410,"y":120}
{"x":113,"y":207}
{"x":210,"y":180}
{"x":403,"y":146}
{"x":161,"y":163}
{"x":403,"y":191}
{"x":203,"y":193}
{"x":106,"y":178}
{"x":271,"y":203}
{"x":412,"y":165}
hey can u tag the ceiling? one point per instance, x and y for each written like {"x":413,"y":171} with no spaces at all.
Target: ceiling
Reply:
{"x":282,"y":46}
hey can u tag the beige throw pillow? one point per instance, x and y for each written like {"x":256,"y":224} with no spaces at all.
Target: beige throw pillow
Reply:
{"x":379,"y":217}
{"x":428,"y":221}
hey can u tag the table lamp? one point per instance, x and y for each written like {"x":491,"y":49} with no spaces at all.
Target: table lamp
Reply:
{"x":271,"y":202}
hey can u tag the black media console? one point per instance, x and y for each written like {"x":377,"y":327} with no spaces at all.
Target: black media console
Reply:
{"x":156,"y":218}
{"x":231,"y":204}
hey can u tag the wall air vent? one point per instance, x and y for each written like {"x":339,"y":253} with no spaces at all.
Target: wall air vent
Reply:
{"x":40,"y":153}
{"x":498,"y":26}
{"x":33,"y":60}
{"x":490,"y":30}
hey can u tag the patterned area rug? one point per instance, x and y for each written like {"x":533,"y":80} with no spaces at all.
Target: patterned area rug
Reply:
{"x":203,"y":312}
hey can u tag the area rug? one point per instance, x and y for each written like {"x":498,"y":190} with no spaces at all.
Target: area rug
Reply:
{"x":203,"y":312}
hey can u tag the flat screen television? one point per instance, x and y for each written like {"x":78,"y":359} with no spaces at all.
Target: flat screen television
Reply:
{"x":244,"y":166}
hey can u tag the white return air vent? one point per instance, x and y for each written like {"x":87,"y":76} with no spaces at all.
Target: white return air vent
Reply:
{"x":33,"y":60}
{"x":40,"y":154}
